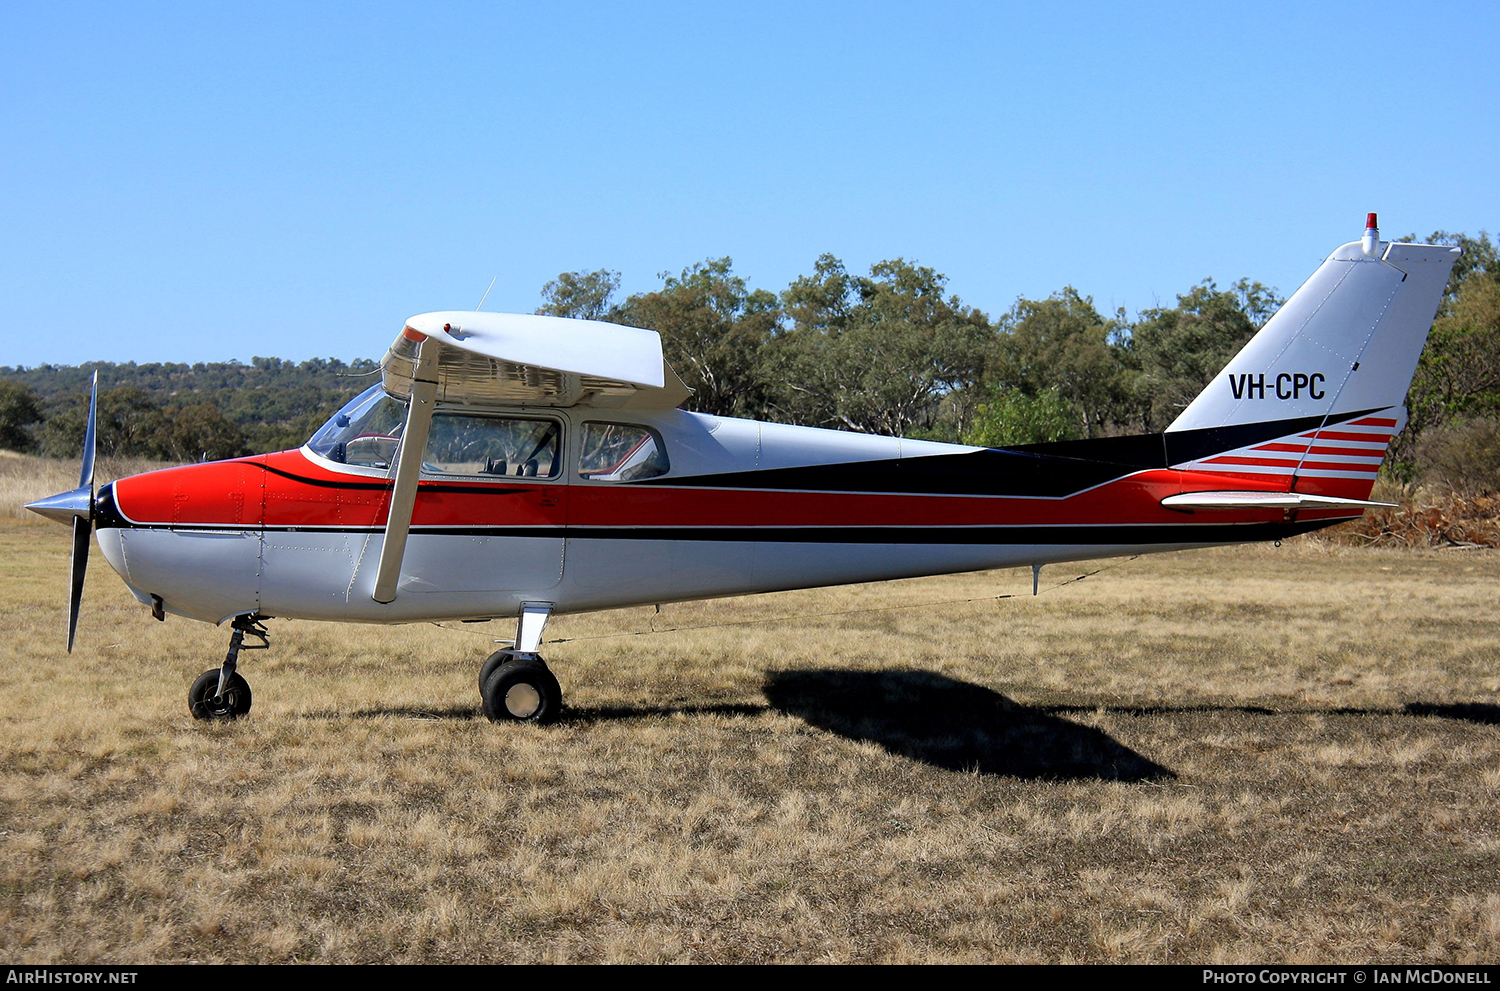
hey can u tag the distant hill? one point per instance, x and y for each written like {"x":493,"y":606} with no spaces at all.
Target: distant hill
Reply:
{"x":173,"y":409}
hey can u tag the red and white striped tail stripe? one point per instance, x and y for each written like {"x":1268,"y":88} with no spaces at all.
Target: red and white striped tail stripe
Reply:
{"x":1345,"y":450}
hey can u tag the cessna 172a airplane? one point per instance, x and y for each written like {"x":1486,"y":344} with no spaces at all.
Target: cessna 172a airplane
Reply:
{"x":522,"y":466}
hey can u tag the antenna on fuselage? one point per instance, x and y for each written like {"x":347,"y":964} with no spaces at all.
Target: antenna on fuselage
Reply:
{"x":485,"y":296}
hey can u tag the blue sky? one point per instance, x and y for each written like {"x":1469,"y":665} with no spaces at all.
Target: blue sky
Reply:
{"x":201,"y":182}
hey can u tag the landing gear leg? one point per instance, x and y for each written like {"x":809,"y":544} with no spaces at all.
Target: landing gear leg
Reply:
{"x":221,"y":693}
{"x":515,"y":685}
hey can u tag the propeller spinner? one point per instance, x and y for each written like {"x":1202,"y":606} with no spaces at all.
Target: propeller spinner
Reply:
{"x":77,"y":509}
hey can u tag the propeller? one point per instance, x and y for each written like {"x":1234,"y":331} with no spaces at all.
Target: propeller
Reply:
{"x":77,"y":509}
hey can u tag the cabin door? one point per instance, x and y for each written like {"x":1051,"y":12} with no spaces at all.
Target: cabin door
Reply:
{"x":491,"y":506}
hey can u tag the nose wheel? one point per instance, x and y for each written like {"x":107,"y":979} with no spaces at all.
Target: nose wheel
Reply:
{"x":222,"y":692}
{"x":205,"y":701}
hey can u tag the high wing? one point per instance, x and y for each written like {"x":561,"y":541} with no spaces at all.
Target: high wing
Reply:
{"x":510,"y":359}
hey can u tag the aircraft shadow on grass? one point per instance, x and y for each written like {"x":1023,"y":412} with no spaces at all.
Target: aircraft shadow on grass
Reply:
{"x":915,"y":714}
{"x":955,"y":725}
{"x":1471,"y":712}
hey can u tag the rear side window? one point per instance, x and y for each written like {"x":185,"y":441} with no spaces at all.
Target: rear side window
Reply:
{"x":621,"y":452}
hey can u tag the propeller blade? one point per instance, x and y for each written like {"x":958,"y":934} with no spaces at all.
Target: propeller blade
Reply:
{"x":83,"y":529}
{"x":86,"y":475}
{"x":77,"y":508}
{"x":83,"y":525}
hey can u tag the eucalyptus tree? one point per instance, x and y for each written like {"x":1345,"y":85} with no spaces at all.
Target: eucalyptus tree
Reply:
{"x":1455,"y":395}
{"x":1175,"y":352}
{"x":19,"y":409}
{"x":712,"y":328}
{"x":580,"y":295}
{"x":878,"y":353}
{"x":1062,"y":343}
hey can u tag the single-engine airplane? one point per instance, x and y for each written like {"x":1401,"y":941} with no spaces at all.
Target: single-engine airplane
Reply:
{"x":523,"y":466}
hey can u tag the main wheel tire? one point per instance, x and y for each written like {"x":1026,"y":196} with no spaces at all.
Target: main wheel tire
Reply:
{"x":492,"y":662}
{"x":521,"y":691}
{"x":498,"y":658}
{"x":235,"y":703}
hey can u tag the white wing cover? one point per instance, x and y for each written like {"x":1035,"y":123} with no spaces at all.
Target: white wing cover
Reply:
{"x":529,"y":360}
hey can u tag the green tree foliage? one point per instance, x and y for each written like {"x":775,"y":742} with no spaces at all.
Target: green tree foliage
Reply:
{"x":1458,"y":376}
{"x":580,"y":295}
{"x":1460,"y":366}
{"x":1011,"y":417}
{"x":129,"y":421}
{"x":132,"y":424}
{"x":200,"y":432}
{"x":806,"y":384}
{"x":1063,"y":343}
{"x":1463,"y":455}
{"x":19,"y":409}
{"x":271,"y":403}
{"x":1176,"y":352}
{"x":877,"y":354}
{"x":712,"y":328}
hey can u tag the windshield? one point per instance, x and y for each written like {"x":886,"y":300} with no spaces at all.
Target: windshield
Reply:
{"x":365,"y":432}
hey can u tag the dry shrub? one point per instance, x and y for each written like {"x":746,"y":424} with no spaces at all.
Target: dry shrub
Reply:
{"x":1427,"y":520}
{"x":25,"y":478}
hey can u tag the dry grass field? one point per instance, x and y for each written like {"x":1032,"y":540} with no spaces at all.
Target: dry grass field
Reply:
{"x":1250,"y":754}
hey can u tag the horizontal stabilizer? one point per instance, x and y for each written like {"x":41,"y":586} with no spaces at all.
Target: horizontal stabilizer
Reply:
{"x":1264,"y":500}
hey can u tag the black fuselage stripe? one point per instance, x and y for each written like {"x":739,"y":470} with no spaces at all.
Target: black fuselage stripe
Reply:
{"x":1039,"y":471}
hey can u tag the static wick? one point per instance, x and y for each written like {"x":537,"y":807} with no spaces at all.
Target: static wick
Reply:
{"x":1036,"y":577}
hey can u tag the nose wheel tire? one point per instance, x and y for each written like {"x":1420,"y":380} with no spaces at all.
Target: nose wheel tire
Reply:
{"x":521,"y":690}
{"x":234,"y":703}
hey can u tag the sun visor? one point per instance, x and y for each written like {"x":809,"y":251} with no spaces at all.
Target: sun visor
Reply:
{"x":508,"y":359}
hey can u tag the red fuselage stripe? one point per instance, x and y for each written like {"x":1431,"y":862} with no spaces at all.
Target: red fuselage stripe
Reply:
{"x":287,"y":490}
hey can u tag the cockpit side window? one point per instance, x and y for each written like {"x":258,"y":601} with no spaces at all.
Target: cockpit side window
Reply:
{"x":366,"y":432}
{"x":492,"y":445}
{"x":621,"y":452}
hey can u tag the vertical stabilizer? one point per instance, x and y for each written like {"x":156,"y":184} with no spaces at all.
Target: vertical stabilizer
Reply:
{"x":1332,"y":367}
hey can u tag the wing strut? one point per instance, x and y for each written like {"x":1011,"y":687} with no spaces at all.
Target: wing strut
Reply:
{"x":408,"y":467}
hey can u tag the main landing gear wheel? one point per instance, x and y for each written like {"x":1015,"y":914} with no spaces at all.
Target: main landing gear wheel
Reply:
{"x":492,"y":662}
{"x":521,"y":689}
{"x":235,"y":701}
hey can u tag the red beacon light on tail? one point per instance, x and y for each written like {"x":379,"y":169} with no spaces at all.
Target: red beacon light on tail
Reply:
{"x":1370,"y":243}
